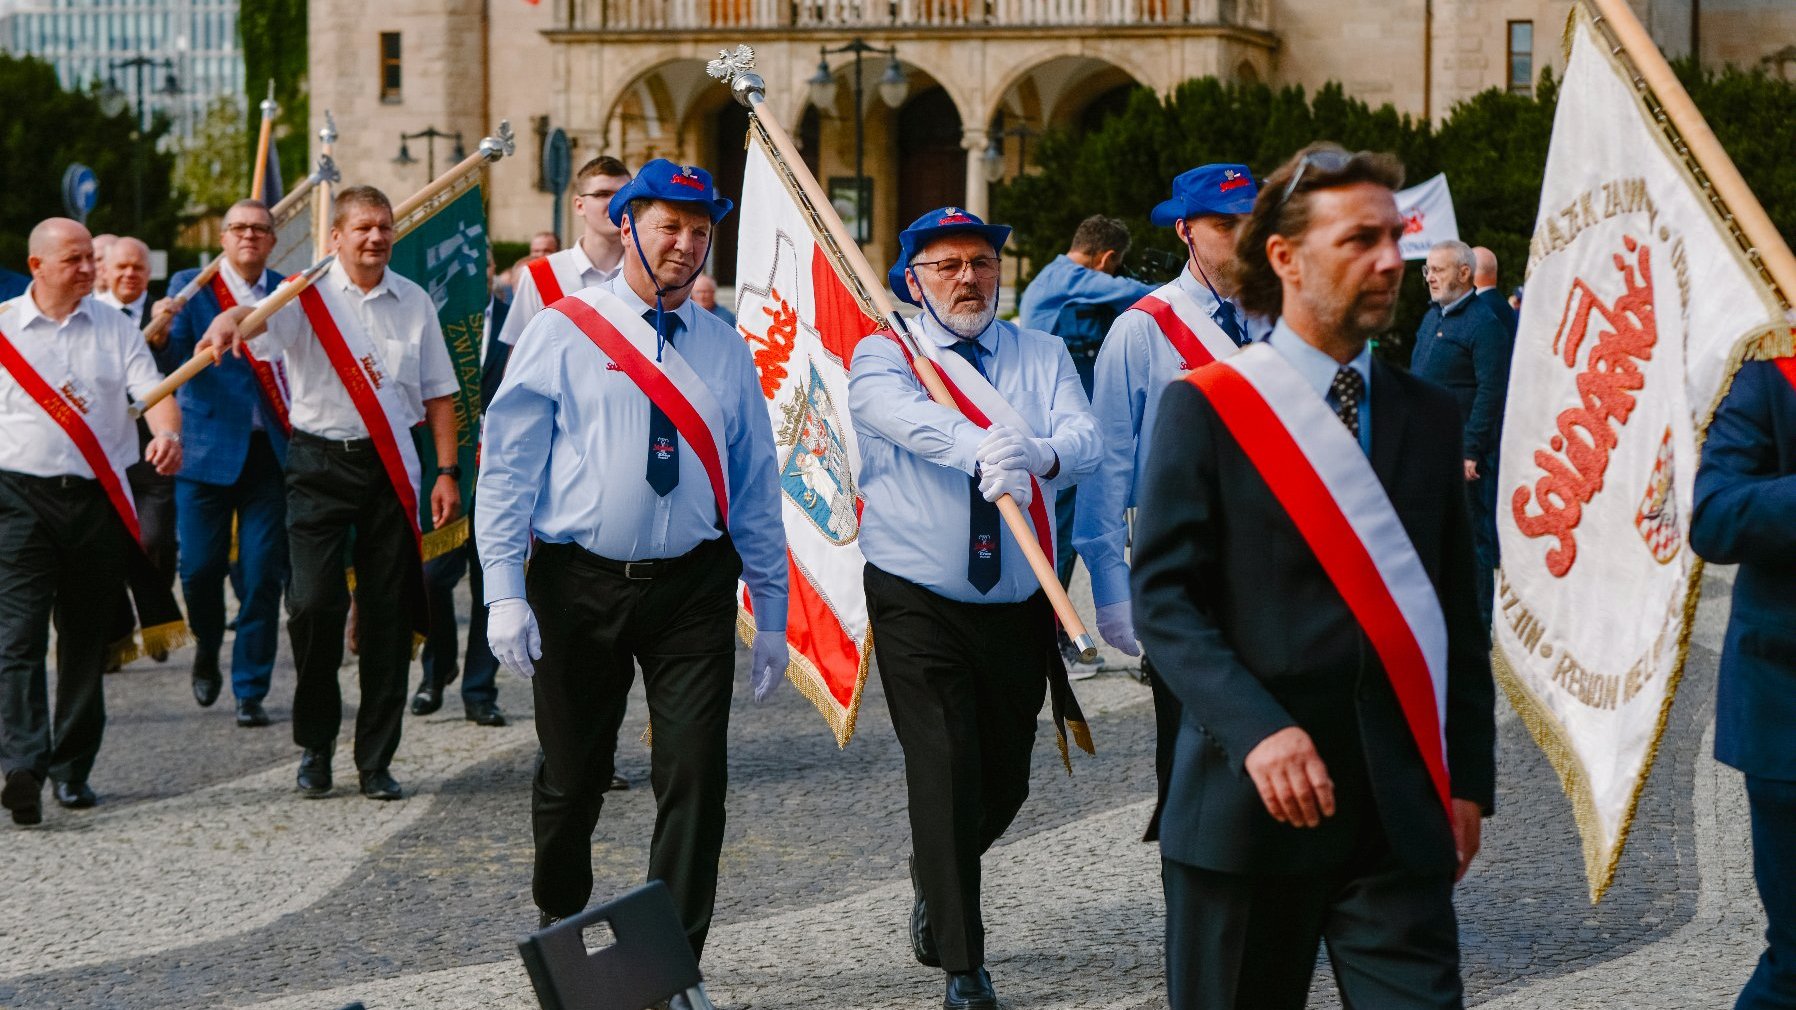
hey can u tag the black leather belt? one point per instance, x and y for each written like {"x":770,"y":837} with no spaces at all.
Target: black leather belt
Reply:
{"x":61,"y":482}
{"x":644,"y":571}
{"x":339,"y":444}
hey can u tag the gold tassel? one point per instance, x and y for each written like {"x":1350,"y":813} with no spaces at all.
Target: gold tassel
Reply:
{"x":439,"y":542}
{"x":123,"y":651}
{"x":1081,"y":735}
{"x":166,"y":637}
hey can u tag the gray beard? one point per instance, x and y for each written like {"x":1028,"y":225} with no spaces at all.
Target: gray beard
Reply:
{"x":968,"y":325}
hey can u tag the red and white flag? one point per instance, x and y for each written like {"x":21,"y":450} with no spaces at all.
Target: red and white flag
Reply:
{"x":1428,"y":217}
{"x":802,"y":316}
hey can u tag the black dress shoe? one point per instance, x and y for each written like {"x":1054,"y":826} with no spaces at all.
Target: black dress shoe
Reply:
{"x":251,"y":713}
{"x":428,"y":699}
{"x":206,"y":678}
{"x":315,"y":773}
{"x":484,"y":713}
{"x":922,"y":938}
{"x":378,"y":785}
{"x":544,"y":920}
{"x":23,"y":795}
{"x":619,"y":783}
{"x":75,"y":795}
{"x":970,"y":990}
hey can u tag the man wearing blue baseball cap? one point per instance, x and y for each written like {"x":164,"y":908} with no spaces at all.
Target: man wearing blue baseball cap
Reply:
{"x":629,"y":439}
{"x":962,"y":631}
{"x":1187,"y":322}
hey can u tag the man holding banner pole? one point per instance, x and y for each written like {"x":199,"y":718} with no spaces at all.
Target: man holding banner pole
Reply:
{"x":630,"y":441}
{"x":1190,"y":321}
{"x":365,"y":354}
{"x":1337,"y":750}
{"x":963,"y":633}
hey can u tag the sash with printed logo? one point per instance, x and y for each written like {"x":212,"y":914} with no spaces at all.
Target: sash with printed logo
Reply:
{"x":983,"y":405}
{"x":271,"y":376}
{"x":1314,"y":467}
{"x":549,"y":288}
{"x":1188,"y":328}
{"x":67,"y":402}
{"x":672,"y":385}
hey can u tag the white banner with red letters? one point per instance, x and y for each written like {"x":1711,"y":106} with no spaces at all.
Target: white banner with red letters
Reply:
{"x":1428,"y":217}
{"x":1639,"y":303}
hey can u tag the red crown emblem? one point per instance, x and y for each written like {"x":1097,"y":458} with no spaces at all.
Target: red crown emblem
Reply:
{"x":687,"y":179}
{"x":1231,"y":179}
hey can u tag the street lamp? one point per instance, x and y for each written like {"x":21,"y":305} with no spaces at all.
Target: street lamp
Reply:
{"x":893,"y":87}
{"x":430,"y":135}
{"x":994,"y":152}
{"x":112,"y":102}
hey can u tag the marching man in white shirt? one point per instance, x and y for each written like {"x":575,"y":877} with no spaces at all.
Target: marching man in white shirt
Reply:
{"x":595,"y":259}
{"x":365,"y":361}
{"x":630,"y":439}
{"x":68,"y":528}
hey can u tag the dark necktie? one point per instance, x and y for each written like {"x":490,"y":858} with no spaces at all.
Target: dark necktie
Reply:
{"x":126,"y":309}
{"x":1225,"y":318}
{"x":1346,"y":390}
{"x":664,"y":439}
{"x":984,"y":561}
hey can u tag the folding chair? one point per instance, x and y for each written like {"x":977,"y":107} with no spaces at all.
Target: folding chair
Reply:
{"x":645,"y":961}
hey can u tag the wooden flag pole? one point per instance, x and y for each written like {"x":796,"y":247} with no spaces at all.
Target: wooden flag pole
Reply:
{"x":750,"y":90}
{"x":322,"y":203}
{"x":1767,"y":243}
{"x":259,"y":171}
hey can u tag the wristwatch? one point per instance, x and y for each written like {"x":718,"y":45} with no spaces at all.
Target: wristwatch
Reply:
{"x":452,"y":471}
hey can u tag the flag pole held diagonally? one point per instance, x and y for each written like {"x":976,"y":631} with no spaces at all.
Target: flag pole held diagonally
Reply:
{"x":736,"y":69}
{"x":491,"y":149}
{"x":259,"y":170}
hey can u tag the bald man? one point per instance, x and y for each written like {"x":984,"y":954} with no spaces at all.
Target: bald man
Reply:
{"x":126,"y":268}
{"x":67,"y":366}
{"x":1484,"y":282}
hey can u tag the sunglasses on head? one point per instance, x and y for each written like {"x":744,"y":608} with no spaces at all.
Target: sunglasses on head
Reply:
{"x":1328,"y":160}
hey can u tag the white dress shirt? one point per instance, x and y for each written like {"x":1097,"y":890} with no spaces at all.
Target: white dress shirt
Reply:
{"x":401,"y":325}
{"x":526,"y":301}
{"x":135,"y":310}
{"x":104,"y":353}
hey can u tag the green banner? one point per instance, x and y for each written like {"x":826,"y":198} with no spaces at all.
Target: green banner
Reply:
{"x":445,"y":254}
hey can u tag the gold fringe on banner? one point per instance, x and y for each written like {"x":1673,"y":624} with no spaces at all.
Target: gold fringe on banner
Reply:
{"x":439,"y":542}
{"x":809,"y":682}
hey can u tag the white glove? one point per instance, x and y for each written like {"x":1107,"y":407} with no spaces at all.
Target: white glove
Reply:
{"x":512,"y":635}
{"x":995,"y":482}
{"x":1116,"y":622}
{"x":768,"y":667}
{"x":1010,"y":447}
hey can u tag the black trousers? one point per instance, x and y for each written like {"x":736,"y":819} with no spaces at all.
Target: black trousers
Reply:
{"x":335,"y":494}
{"x":1248,"y":942}
{"x":680,"y":627}
{"x":442,"y":648}
{"x":965,"y":683}
{"x":1167,"y":715}
{"x":1773,"y":805}
{"x":154,"y":496}
{"x":62,"y":555}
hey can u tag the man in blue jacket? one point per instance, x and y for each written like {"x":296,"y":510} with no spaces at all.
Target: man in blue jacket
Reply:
{"x":234,"y":423}
{"x":1484,"y":281}
{"x":1461,"y":346}
{"x":1746,"y":515}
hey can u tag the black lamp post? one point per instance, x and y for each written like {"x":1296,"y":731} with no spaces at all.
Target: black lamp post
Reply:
{"x":112,"y":101}
{"x":994,"y":163}
{"x":430,"y":135}
{"x":893,"y":87}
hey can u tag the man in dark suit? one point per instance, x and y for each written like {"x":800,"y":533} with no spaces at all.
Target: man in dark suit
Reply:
{"x":1462,"y":346}
{"x":1746,"y":515}
{"x":235,"y":419}
{"x":1484,"y":282}
{"x":1303,"y":804}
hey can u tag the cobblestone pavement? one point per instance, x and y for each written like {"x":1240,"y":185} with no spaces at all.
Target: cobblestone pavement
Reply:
{"x":201,"y":880}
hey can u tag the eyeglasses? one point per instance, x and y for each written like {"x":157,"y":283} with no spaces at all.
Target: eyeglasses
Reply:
{"x":257,"y":230}
{"x":984,"y":267}
{"x":1328,"y":160}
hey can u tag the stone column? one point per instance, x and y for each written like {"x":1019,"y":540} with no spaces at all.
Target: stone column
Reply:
{"x":975,"y":142}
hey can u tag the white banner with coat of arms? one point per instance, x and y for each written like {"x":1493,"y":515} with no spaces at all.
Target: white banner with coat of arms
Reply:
{"x":802,"y":318}
{"x":1639,"y":304}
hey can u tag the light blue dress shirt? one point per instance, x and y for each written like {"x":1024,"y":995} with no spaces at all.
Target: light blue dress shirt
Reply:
{"x":1133,"y":369}
{"x":1318,"y":369}
{"x":1063,"y":281}
{"x":916,"y":455}
{"x":565,"y":451}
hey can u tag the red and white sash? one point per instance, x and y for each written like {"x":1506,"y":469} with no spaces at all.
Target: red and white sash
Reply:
{"x":67,"y":402}
{"x":271,"y":376}
{"x":983,"y":405}
{"x":629,"y":341}
{"x":1316,"y":470}
{"x":549,"y":286}
{"x":376,"y":400}
{"x":1190,"y":330}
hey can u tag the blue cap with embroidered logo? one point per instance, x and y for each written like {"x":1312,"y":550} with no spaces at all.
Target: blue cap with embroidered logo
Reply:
{"x":1207,"y":189}
{"x":936,"y":224}
{"x":663,"y":180}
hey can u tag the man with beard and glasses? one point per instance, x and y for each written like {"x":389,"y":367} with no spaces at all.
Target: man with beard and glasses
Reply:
{"x":962,"y":631}
{"x":1303,"y":577}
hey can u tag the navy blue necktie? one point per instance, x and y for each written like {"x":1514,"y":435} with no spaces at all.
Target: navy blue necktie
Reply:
{"x":664,"y":439}
{"x":1225,"y":318}
{"x":984,"y":561}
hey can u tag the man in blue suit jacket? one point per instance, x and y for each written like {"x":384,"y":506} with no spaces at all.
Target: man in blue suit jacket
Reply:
{"x":1746,"y":515}
{"x":236,"y":447}
{"x":1461,"y":346}
{"x":1484,"y":281}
